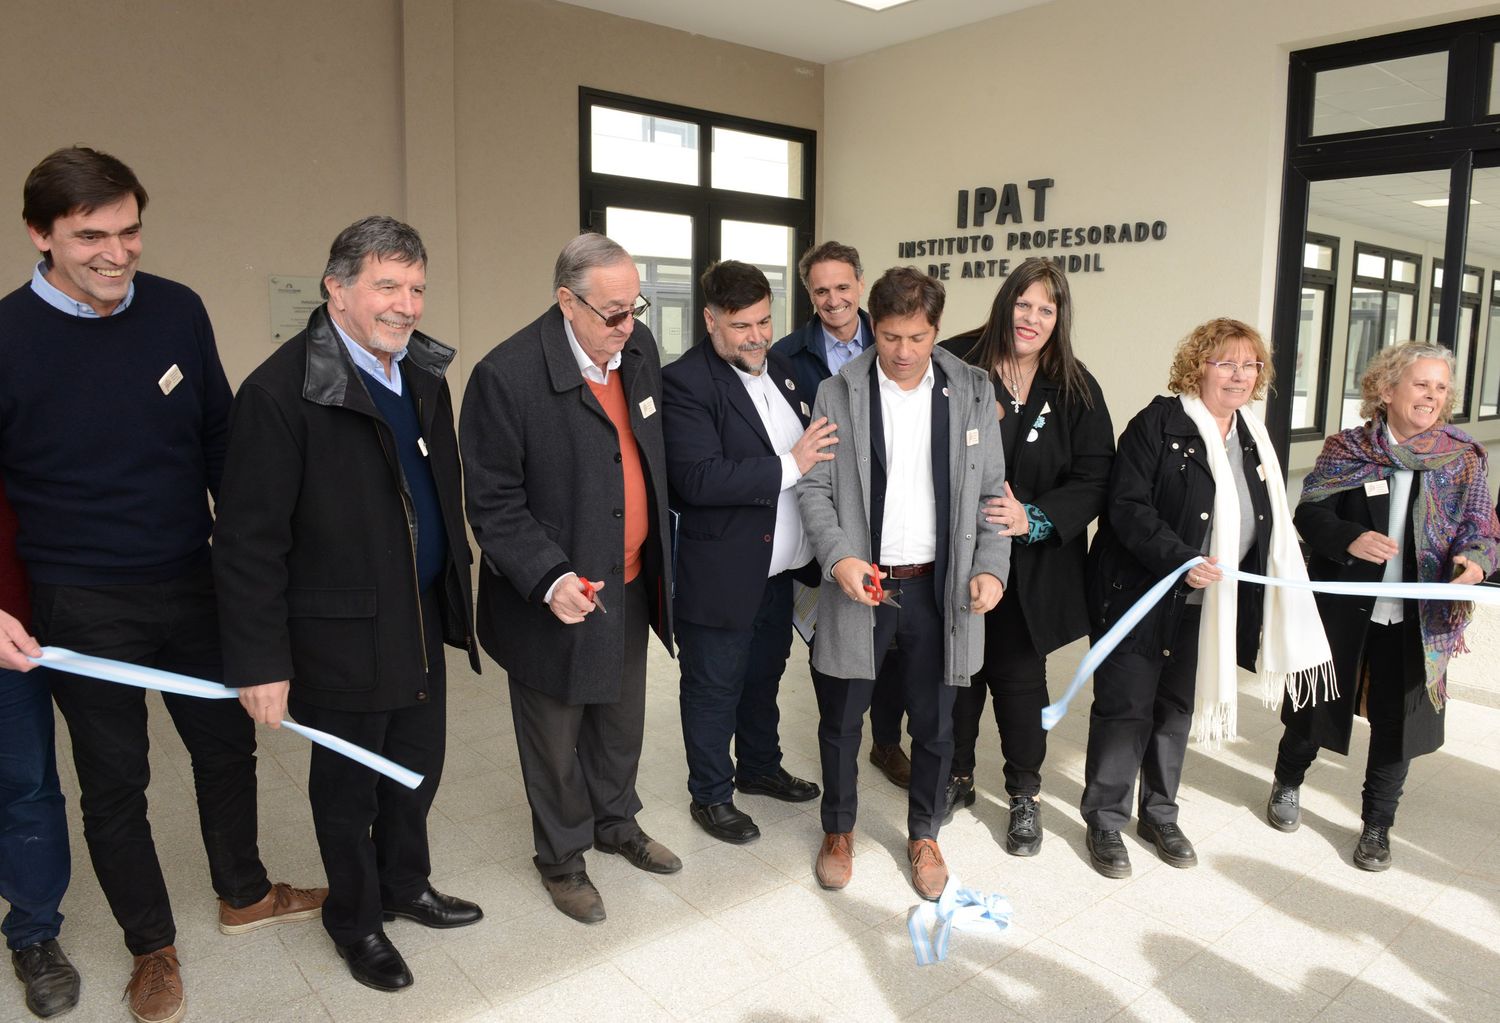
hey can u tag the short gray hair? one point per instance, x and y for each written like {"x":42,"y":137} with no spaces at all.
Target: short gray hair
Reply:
{"x":381,"y":237}
{"x":586,"y":252}
{"x":1390,"y":364}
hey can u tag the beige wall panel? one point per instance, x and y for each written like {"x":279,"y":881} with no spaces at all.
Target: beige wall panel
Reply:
{"x":1155,"y":109}
{"x":258,"y":129}
{"x":520,"y":64}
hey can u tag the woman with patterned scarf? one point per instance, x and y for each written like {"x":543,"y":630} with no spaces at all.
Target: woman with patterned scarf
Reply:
{"x":1403,"y":497}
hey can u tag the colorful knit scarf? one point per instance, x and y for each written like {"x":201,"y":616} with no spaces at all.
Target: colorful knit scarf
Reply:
{"x":1453,"y":516}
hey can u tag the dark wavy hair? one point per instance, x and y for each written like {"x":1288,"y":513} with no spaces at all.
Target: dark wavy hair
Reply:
{"x":996,"y":340}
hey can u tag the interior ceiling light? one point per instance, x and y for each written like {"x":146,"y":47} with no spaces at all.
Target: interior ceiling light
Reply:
{"x":1441,"y":203}
{"x":877,"y":5}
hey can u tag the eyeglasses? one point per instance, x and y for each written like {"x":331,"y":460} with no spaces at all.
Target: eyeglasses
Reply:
{"x":613,"y":320}
{"x":1226,"y":369}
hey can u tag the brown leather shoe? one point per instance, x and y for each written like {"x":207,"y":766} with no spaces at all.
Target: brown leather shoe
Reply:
{"x":893,"y":761}
{"x":836,"y":860}
{"x":282,"y":904}
{"x":929,"y":874}
{"x":155,"y":989}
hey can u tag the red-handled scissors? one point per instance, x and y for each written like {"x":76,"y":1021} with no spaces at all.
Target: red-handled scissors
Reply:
{"x":591,"y":591}
{"x":877,"y":591}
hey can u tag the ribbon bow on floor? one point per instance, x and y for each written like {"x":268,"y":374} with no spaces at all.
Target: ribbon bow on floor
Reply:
{"x":184,"y":685}
{"x":963,"y":908}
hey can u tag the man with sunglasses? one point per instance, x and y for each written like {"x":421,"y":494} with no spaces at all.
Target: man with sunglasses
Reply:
{"x":565,"y":468}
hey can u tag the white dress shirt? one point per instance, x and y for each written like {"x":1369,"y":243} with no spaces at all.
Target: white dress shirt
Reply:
{"x":1388,"y":610}
{"x":908,"y":532}
{"x":790,"y":547}
{"x":586,"y":365}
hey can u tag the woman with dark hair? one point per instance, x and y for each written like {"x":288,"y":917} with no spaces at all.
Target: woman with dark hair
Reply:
{"x":1196,"y":479}
{"x":1402,"y":497}
{"x":1058,"y":445}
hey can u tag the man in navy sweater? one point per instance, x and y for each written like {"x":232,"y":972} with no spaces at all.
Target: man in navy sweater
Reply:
{"x":113,"y":410}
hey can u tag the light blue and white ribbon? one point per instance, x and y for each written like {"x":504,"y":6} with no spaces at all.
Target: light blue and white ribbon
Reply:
{"x":185,"y":685}
{"x":931,"y":924}
{"x":1052,"y":714}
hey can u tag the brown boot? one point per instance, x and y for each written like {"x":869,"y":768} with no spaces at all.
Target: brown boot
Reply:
{"x":155,"y":989}
{"x":282,"y":904}
{"x":836,"y":860}
{"x":929,"y":874}
{"x":894,"y":762}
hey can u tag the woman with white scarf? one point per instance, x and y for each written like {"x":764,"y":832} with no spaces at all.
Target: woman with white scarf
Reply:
{"x":1195,"y":475}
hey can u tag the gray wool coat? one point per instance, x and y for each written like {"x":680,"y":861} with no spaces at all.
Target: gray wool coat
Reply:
{"x":834,"y":498}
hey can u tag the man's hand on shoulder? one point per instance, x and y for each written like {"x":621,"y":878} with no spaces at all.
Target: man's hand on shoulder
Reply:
{"x":266,"y":703}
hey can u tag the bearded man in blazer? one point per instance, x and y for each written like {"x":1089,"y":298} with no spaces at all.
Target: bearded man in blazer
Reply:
{"x":738,"y":440}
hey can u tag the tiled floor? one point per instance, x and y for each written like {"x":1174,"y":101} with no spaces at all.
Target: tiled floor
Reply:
{"x":1268,"y":927}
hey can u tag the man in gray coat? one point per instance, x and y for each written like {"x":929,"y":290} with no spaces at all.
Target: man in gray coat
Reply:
{"x":896,"y":522}
{"x":566,"y":488}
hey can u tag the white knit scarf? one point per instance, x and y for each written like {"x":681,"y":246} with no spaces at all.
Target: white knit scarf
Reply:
{"x":1294,"y":652}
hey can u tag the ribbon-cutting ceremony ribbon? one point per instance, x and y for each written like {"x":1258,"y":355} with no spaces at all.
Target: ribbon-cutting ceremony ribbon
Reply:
{"x":185,"y":685}
{"x":931,"y":924}
{"x":1052,"y":714}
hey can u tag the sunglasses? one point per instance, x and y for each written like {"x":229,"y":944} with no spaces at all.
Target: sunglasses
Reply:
{"x":613,"y":320}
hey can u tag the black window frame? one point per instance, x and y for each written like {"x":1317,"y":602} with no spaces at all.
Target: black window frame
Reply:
{"x":1475,"y":302}
{"x":707,"y":205}
{"x":1466,"y":137}
{"x":1325,"y":281}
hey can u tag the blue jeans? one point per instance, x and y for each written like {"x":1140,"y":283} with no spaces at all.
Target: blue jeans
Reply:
{"x":34,"y":862}
{"x":730,"y":680}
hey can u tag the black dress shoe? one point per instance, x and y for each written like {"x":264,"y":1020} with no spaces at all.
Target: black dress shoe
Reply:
{"x":644,"y":852}
{"x":374,"y":962}
{"x":1107,"y":853}
{"x":1024,"y":835}
{"x":1374,"y":849}
{"x":960,"y":792}
{"x":50,"y":979}
{"x":434,"y":909}
{"x":1284,"y":808}
{"x":1171,"y":844}
{"x":780,"y":785}
{"x":574,"y":895}
{"x":725,"y":822}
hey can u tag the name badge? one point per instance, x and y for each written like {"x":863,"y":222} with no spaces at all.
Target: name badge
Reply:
{"x":422,"y":446}
{"x":971,"y":438}
{"x":648,"y":408}
{"x":1377,"y":488}
{"x":1260,"y":470}
{"x":170,"y":379}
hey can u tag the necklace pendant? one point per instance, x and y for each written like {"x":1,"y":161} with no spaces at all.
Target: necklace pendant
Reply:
{"x":1015,"y":403}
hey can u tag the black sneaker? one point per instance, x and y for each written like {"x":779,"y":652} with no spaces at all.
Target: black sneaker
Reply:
{"x":1024,"y":836}
{"x":1284,"y":808}
{"x":1374,"y":849}
{"x":960,"y":792}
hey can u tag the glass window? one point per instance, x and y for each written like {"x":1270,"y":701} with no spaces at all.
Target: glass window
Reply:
{"x":744,"y":162}
{"x":1314,"y":329}
{"x":1489,"y":386}
{"x":1468,"y":329}
{"x":643,"y":146}
{"x":1406,"y":90}
{"x":772,"y":247}
{"x":662,"y":244}
{"x":1382,"y":311}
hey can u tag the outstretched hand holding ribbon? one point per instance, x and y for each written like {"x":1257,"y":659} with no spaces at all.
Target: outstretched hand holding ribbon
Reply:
{"x":184,"y":685}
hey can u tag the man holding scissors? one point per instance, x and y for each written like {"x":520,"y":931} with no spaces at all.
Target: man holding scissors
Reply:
{"x":738,"y":440}
{"x":567,"y":495}
{"x":896,"y":523}
{"x":343,"y":569}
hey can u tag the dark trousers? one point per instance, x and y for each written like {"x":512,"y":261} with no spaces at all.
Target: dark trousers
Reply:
{"x":171,"y":625}
{"x":1385,"y":768}
{"x":730,"y":679}
{"x":917,"y":628}
{"x":888,"y":702}
{"x":579,"y":761}
{"x":1016,"y":675}
{"x":34,"y":863}
{"x":1139,"y":725}
{"x":372,"y":831}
